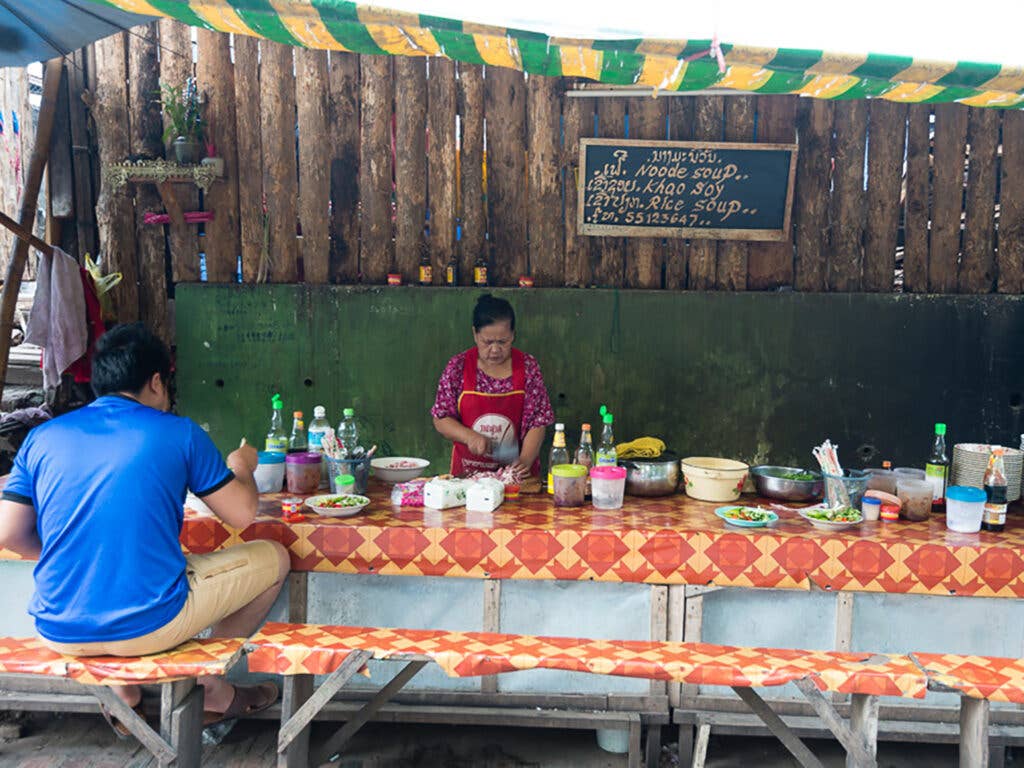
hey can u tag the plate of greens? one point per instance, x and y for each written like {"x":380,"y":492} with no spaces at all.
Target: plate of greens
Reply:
{"x":832,"y":519}
{"x":746,"y":517}
{"x":337,"y":505}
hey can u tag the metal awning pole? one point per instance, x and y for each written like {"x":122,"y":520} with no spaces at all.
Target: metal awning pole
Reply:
{"x":27,"y":216}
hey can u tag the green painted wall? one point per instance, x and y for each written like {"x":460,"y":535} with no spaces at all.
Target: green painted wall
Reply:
{"x":756,"y":376}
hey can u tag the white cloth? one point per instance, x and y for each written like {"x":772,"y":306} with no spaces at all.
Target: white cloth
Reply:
{"x":57,"y":321}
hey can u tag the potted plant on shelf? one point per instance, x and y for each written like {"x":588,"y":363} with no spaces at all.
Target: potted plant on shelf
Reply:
{"x":183,"y":111}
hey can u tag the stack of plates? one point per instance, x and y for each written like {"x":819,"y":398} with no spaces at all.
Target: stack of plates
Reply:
{"x":970,"y":460}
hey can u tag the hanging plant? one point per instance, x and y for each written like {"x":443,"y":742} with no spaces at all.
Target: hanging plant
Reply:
{"x":183,"y":111}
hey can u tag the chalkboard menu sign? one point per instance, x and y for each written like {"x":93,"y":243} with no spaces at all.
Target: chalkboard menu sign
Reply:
{"x":685,"y":189}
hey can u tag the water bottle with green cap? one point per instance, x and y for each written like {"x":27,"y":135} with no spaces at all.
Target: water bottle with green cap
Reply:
{"x":277,"y":440}
{"x":607,"y":456}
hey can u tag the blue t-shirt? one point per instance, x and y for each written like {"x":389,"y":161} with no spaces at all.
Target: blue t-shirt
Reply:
{"x":108,"y":484}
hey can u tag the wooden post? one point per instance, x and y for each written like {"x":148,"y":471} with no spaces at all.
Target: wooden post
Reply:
{"x":734,"y":255}
{"x":376,"y":243}
{"x":810,"y":208}
{"x":947,"y":194}
{"x":645,"y":255}
{"x":1011,"y":198}
{"x":888,"y":124}
{"x":343,"y":112}
{"x":577,"y":123}
{"x":250,"y":147}
{"x":441,"y":165}
{"x":27,"y":215}
{"x":608,"y":254}
{"x":311,"y":94}
{"x":916,"y":232}
{"x":703,"y":252}
{"x":544,"y":222}
{"x":677,"y":250}
{"x":473,"y":196}
{"x":846,"y":256}
{"x":864,"y":724}
{"x":978,"y":266}
{"x":505,"y":96}
{"x":411,"y":164}
{"x":974,"y":715}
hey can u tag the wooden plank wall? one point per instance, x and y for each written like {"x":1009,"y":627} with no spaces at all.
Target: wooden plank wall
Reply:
{"x":345,"y":168}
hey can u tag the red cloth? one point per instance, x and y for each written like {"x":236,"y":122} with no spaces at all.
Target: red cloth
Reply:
{"x":81,"y":369}
{"x":496,"y":416}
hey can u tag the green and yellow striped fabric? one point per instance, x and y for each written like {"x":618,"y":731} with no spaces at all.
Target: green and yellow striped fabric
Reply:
{"x":677,"y":65}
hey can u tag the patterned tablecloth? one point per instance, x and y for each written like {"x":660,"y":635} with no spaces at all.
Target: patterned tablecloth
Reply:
{"x":673,"y":540}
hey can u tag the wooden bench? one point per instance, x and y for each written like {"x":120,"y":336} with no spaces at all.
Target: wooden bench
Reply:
{"x":979,"y":680}
{"x":300,"y":651}
{"x":179,"y":740}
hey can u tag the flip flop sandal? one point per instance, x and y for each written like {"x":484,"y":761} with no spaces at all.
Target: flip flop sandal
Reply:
{"x":248,"y":700}
{"x":120,"y":729}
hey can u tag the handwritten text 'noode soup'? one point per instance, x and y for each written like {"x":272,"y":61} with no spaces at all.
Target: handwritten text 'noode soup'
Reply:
{"x":670,"y":188}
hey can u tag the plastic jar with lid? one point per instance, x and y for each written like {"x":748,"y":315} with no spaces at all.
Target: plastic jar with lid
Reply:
{"x":964,"y":508}
{"x":345,"y":484}
{"x":608,"y":486}
{"x":570,"y":484}
{"x":302,"y":471}
{"x":269,"y":474}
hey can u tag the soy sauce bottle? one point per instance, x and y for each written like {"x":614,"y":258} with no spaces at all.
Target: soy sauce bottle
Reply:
{"x":994,"y":515}
{"x":937,"y":470}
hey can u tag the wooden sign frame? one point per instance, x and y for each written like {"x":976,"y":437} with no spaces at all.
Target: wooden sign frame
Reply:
{"x":627,"y":230}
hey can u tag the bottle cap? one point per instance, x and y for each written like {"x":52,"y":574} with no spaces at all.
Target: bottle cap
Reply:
{"x":275,"y":402}
{"x":569,"y":470}
{"x":348,"y":413}
{"x":559,"y":427}
{"x":940,"y":429}
{"x":319,"y":412}
{"x":586,"y":427}
{"x":606,"y":417}
{"x":966,"y":494}
{"x":344,"y":480}
{"x":297,"y":414}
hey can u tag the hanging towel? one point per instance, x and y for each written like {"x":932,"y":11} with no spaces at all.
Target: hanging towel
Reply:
{"x":57,"y":321}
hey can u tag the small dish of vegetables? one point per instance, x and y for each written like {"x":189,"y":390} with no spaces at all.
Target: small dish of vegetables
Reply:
{"x":337,"y":505}
{"x":834,"y":519}
{"x":746,"y":517}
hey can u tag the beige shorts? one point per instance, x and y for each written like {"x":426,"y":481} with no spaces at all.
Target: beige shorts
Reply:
{"x":219,"y":584}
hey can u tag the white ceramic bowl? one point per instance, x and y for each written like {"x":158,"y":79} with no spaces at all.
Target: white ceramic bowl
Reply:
{"x":712,"y":479}
{"x":316,"y":504}
{"x":398,"y":469}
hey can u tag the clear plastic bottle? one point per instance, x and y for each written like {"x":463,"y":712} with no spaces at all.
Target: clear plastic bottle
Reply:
{"x":559,"y":454}
{"x":348,"y":435}
{"x":277,"y":440}
{"x":318,"y":427}
{"x":585,"y":453}
{"x":607,"y":456}
{"x":297,"y":442}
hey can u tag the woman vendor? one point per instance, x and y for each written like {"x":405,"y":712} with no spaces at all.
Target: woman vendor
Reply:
{"x":491,"y":401}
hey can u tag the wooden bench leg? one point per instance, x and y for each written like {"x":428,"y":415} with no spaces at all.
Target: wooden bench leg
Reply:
{"x":652,"y":747}
{"x":857,"y":753}
{"x":187,"y":730}
{"x":635,"y":728}
{"x":685,"y":746}
{"x":864,"y":724}
{"x":298,"y":723}
{"x":296,"y":692}
{"x":150,"y":739}
{"x":779,"y":729}
{"x":700,"y":749}
{"x":974,"y":713}
{"x":343,"y":735}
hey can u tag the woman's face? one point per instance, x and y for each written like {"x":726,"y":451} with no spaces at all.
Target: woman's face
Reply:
{"x":494,"y":342}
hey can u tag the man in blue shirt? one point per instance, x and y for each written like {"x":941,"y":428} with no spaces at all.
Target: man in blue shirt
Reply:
{"x":97,"y":497}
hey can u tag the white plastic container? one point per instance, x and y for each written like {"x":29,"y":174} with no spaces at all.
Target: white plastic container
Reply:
{"x":485,"y":495}
{"x":964,"y":507}
{"x":269,"y":474}
{"x":444,"y":494}
{"x":607,"y":487}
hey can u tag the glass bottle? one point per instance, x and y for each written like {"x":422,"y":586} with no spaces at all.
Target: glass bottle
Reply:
{"x":277,"y":440}
{"x":451,"y":273}
{"x":585,"y":453}
{"x":426,"y":269}
{"x":480,"y":277}
{"x":936,"y":470}
{"x":297,"y":442}
{"x":993,"y":517}
{"x":559,"y":454}
{"x":607,"y":456}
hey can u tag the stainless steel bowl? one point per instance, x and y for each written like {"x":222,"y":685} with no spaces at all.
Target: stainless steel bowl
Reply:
{"x":768,"y":483}
{"x":652,"y":477}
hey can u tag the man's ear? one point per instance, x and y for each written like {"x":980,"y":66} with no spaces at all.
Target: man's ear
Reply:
{"x":155,"y":382}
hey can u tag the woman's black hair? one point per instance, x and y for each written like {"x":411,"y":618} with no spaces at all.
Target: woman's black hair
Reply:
{"x":490,"y":310}
{"x":126,"y":358}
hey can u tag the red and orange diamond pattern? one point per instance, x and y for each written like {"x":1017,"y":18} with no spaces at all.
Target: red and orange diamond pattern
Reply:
{"x":311,"y":649}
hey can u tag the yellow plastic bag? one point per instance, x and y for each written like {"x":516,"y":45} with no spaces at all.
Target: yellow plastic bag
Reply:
{"x":104,"y":284}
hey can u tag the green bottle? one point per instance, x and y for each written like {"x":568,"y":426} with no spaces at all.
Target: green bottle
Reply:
{"x":277,"y":440}
{"x":606,"y":455}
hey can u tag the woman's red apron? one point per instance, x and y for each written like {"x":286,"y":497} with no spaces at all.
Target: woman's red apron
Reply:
{"x":495,"y":416}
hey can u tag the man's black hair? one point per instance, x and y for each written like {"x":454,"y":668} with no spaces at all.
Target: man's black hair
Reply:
{"x":490,"y":310}
{"x":126,"y":358}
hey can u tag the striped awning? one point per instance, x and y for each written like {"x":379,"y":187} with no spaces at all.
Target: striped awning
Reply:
{"x":676,"y":65}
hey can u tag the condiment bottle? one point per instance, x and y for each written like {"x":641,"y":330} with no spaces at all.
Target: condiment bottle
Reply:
{"x":585,"y":453}
{"x":297,"y":442}
{"x":559,"y":454}
{"x":426,"y":269}
{"x":277,"y":440}
{"x":993,"y":517}
{"x":451,"y":273}
{"x":607,"y":456}
{"x":937,"y":470}
{"x":480,"y":277}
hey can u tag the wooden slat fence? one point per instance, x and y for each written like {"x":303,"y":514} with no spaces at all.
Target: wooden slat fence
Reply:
{"x":345,"y":168}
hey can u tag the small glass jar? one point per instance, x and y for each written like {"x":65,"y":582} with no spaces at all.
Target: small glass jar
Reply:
{"x":570,"y":484}
{"x":346,"y":484}
{"x":302,"y":472}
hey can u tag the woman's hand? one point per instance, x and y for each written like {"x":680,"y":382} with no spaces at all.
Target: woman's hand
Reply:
{"x":478,"y":444}
{"x":520,"y":470}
